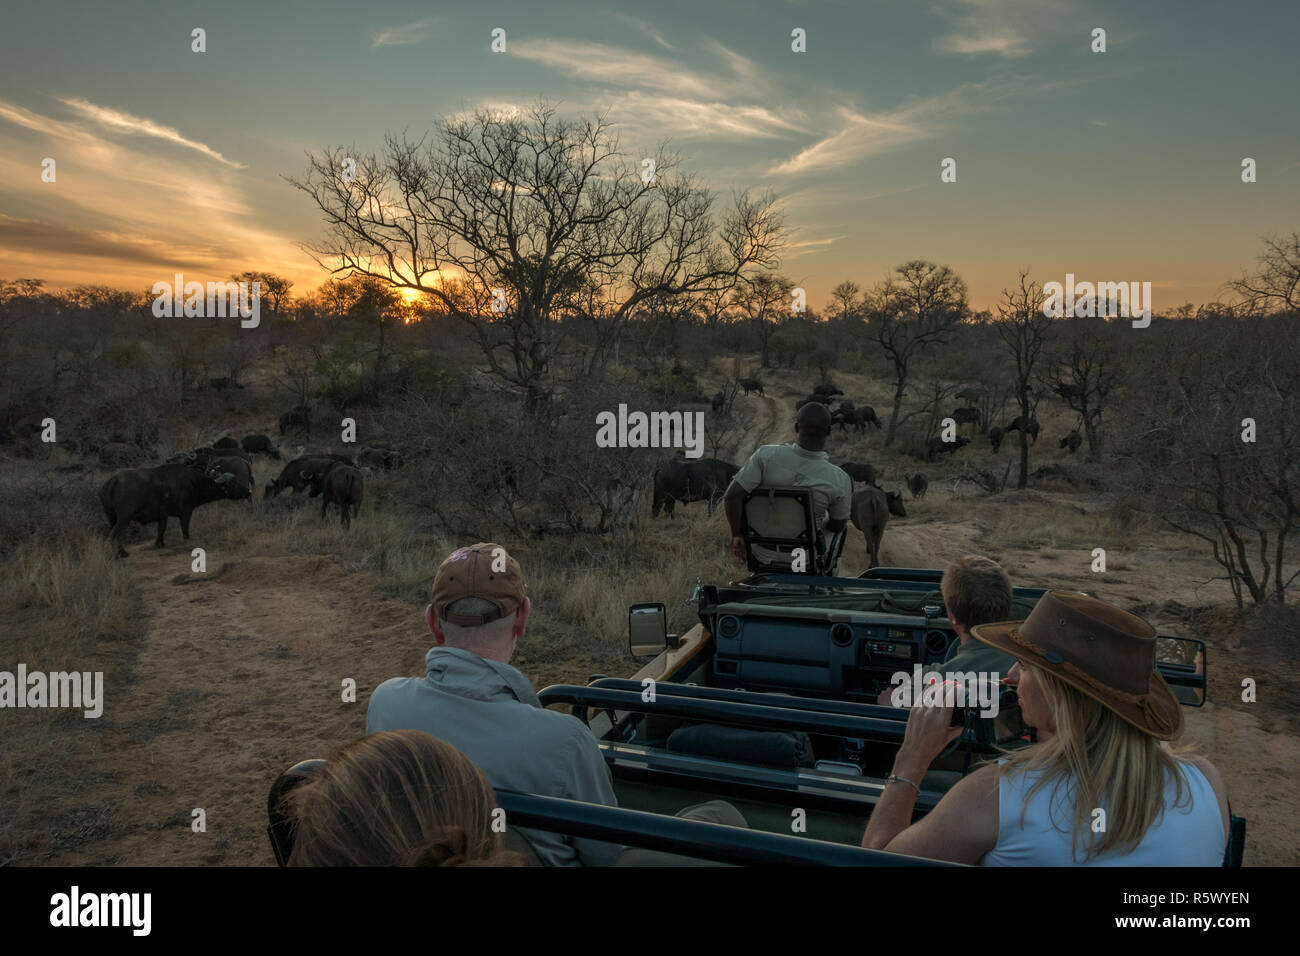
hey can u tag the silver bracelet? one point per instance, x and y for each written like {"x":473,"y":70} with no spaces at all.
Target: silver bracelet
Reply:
{"x":895,"y":778}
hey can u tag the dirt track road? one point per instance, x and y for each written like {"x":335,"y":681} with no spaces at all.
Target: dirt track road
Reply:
{"x":240,"y":676}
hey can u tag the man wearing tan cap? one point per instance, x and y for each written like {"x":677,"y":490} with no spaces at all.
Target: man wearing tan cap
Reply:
{"x":472,"y":698}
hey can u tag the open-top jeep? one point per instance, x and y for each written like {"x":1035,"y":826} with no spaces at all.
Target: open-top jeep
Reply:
{"x":770,"y":702}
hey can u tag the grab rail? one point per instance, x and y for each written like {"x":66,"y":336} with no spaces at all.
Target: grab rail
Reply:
{"x":709,"y":841}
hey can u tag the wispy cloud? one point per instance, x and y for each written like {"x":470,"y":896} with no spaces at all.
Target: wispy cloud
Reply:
{"x":130,"y":204}
{"x":406,"y":35}
{"x":802,"y":247}
{"x":619,"y":67}
{"x":998,"y":27}
{"x":857,"y":134}
{"x":686,"y":117}
{"x":122,"y":122}
{"x":645,"y":27}
{"x":665,"y":95}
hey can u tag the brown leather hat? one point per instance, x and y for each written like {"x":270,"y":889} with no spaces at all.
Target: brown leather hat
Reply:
{"x":483,"y":570}
{"x":1103,"y":651}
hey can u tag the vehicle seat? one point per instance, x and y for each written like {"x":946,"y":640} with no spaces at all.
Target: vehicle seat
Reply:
{"x":770,"y":748}
{"x":776,"y":521}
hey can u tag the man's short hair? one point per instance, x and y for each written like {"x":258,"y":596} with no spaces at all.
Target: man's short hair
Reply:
{"x":976,"y":591}
{"x":475,"y":633}
{"x":472,"y":605}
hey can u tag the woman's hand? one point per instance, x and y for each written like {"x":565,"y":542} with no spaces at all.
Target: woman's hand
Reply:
{"x":929,"y":730}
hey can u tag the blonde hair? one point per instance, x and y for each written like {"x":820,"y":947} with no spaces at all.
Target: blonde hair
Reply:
{"x":1102,"y":756}
{"x":397,"y":798}
{"x":976,"y":591}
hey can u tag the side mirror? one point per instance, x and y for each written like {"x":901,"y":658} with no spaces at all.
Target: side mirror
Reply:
{"x":647,"y":629}
{"x":1181,"y":662}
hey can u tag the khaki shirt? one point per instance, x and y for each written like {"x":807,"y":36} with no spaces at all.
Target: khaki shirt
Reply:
{"x":789,"y":466}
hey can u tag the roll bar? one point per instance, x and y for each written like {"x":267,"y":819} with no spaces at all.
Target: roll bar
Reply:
{"x":710,"y":841}
{"x":725,"y":711}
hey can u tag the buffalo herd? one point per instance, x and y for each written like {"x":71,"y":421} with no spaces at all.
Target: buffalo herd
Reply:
{"x":224,"y":470}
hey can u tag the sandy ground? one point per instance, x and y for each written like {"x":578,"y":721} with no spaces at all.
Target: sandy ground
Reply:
{"x":241,"y":674}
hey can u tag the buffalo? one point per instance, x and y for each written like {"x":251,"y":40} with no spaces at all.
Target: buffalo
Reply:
{"x":858,"y":471}
{"x":752,"y":385}
{"x":680,"y":479}
{"x":870,"y":513}
{"x":846,"y":414}
{"x":827,"y":389}
{"x":1072,"y":441}
{"x":967,"y":416}
{"x":226,"y":442}
{"x":260,"y":443}
{"x":1031,"y":429}
{"x":298,"y":473}
{"x":813,"y":400}
{"x":995,"y":437}
{"x":299,"y":417}
{"x":154,"y":494}
{"x":233,"y":461}
{"x":917,"y":485}
{"x":340,"y":485}
{"x":938,"y":446}
{"x":718,"y":401}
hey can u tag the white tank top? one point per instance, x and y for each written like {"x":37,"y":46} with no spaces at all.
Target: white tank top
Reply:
{"x":1190,"y":835}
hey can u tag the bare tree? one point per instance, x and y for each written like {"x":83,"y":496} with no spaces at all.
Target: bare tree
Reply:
{"x":1275,"y":286}
{"x":846,"y":299}
{"x":274,"y":288}
{"x":937,"y":394}
{"x":912,"y":310}
{"x":509,"y":221}
{"x":1216,"y":447}
{"x":1022,"y":325}
{"x":825,"y":360}
{"x":1084,"y":374}
{"x":764,"y":300}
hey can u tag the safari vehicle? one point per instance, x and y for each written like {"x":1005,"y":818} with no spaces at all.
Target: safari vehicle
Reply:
{"x":770,"y":702}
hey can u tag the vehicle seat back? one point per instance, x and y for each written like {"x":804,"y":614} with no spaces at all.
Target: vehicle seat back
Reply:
{"x":776,"y":521}
{"x":769,"y":748}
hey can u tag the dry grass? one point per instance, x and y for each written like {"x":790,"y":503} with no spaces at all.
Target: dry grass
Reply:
{"x":66,"y":605}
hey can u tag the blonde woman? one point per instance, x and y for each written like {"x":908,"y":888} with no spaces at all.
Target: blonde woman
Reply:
{"x":1100,"y":787}
{"x":397,"y":798}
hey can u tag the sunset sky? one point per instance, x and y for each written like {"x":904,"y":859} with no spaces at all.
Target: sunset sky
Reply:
{"x":1116,"y":166}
